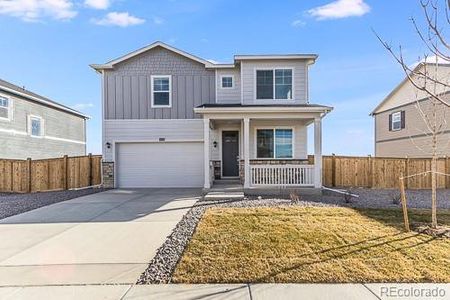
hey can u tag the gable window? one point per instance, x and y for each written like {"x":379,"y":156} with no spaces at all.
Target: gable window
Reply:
{"x":274,"y":84}
{"x":35,"y":126}
{"x":227,"y":82}
{"x":397,"y":121}
{"x":161,"y":91}
{"x":5,"y":106}
{"x":274,"y":143}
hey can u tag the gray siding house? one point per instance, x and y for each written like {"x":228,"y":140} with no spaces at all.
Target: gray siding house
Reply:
{"x":32,"y":126}
{"x":171,"y":119}
{"x":400,"y":130}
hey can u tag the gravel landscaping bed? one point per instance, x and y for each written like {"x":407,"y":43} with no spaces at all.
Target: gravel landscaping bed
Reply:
{"x":13,"y":204}
{"x":163,"y":264}
{"x":383,"y":198}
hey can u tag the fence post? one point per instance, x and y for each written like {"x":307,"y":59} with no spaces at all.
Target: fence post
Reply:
{"x":12,"y":176}
{"x":370,"y":175}
{"x":90,"y":169}
{"x":66,"y":172}
{"x":333,"y":170}
{"x":29,"y":175}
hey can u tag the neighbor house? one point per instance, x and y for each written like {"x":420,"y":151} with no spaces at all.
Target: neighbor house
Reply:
{"x":400,"y":129}
{"x":32,"y":126}
{"x":171,"y":119}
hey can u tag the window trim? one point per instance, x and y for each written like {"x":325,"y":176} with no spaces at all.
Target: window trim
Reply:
{"x":10,"y":108}
{"x":273,"y":128}
{"x":30,"y":117}
{"x":153,"y":105}
{"x":274,"y":88}
{"x":221,"y":83}
{"x":400,"y":120}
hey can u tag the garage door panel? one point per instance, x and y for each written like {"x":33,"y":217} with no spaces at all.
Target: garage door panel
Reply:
{"x":160,"y":164}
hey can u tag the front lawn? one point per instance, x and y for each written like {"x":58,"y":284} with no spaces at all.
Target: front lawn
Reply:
{"x":313,"y":244}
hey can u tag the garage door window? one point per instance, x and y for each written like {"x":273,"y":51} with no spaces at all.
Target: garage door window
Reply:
{"x":161,"y":91}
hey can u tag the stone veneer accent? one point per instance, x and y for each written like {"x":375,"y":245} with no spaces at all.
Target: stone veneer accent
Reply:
{"x":108,"y":174}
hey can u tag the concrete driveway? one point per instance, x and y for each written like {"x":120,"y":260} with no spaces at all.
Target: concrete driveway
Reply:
{"x":108,"y":237}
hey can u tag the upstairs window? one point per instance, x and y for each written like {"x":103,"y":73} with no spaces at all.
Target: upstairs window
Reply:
{"x":274,"y":84}
{"x":227,"y":82}
{"x":4,"y":108}
{"x":161,"y":91}
{"x":397,"y":121}
{"x":35,"y":126}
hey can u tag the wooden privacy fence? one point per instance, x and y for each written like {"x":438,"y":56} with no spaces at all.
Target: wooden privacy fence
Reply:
{"x":26,"y":176}
{"x":380,"y":172}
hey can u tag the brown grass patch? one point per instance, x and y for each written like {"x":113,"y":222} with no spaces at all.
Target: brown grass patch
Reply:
{"x":313,"y":244}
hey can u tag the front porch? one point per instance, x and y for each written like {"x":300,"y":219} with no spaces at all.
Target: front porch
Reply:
{"x":263,"y":147}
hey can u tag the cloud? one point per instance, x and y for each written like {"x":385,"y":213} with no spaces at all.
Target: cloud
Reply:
{"x":97,"y":4}
{"x":298,"y":23}
{"x":121,"y":19}
{"x":158,"y":20}
{"x":35,"y":10}
{"x":82,"y":106}
{"x":340,"y":9}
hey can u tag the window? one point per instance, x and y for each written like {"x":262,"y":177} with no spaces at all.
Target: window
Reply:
{"x":35,"y":126}
{"x":397,"y":121}
{"x":161,"y":91}
{"x":274,"y":84}
{"x":4,"y":108}
{"x":274,"y":143}
{"x":227,"y":82}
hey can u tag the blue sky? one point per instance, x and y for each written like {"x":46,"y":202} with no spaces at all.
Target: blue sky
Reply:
{"x":47,"y":45}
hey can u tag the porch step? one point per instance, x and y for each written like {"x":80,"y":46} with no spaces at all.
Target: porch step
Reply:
{"x":223,"y":195}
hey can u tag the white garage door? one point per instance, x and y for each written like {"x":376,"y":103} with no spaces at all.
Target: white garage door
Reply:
{"x":159,"y":164}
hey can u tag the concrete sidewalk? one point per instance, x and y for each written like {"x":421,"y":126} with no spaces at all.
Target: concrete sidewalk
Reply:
{"x":102,"y":238}
{"x":231,"y":291}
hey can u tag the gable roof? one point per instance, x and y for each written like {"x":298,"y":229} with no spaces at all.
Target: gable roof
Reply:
{"x":19,"y":91}
{"x":399,"y":86}
{"x":208,"y":64}
{"x":110,"y":64}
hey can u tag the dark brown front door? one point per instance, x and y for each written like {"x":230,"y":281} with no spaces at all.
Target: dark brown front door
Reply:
{"x":230,"y":153}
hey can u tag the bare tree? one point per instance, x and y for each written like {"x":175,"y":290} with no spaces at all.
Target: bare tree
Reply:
{"x":430,"y":78}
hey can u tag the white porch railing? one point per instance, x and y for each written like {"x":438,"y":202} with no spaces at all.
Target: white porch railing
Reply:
{"x":282,"y":175}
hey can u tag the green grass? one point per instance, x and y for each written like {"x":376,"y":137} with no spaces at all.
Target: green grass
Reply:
{"x":313,"y":244}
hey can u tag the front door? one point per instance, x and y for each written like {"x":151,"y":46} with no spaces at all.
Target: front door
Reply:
{"x":230,"y":153}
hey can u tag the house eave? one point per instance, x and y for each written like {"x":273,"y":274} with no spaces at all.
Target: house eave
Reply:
{"x":45,"y":102}
{"x":263,"y":109}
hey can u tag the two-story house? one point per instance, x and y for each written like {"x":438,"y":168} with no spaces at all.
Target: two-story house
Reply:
{"x":400,"y":128}
{"x":171,"y":119}
{"x":32,"y":126}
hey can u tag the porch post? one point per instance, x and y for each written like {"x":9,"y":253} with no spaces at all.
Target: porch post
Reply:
{"x":317,"y":152}
{"x":206,"y":152}
{"x":246,"y":152}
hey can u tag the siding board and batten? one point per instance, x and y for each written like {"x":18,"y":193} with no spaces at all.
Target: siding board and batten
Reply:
{"x":192,"y":85}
